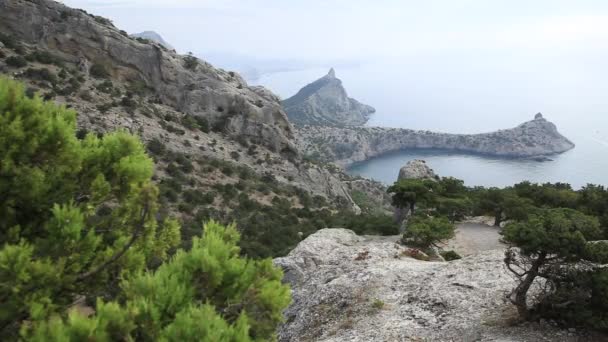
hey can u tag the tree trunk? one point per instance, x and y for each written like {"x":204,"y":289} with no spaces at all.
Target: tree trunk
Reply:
{"x":497,"y":218}
{"x":521,"y":291}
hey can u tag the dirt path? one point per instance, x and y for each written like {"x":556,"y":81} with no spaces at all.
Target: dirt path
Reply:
{"x":472,"y":238}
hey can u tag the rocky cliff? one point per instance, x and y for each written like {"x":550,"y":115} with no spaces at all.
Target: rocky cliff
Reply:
{"x":153,"y":36}
{"x":183,"y":105}
{"x":348,"y":145}
{"x":195,"y":88}
{"x":362,"y":288}
{"x":325,"y":102}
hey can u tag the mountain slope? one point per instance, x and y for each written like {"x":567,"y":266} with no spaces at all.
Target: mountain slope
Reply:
{"x":325,"y":102}
{"x":222,"y":149}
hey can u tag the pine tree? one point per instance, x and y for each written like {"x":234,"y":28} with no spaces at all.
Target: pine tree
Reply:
{"x":549,"y":246}
{"x":79,"y":220}
{"x":182,"y":300}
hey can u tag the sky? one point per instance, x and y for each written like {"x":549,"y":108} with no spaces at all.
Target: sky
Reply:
{"x":365,"y":30}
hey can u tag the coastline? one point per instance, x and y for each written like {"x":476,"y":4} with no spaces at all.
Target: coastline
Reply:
{"x":346,"y":146}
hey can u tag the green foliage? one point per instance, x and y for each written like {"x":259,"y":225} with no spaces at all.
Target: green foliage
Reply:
{"x":504,"y":204}
{"x":190,"y":62}
{"x":454,"y":208}
{"x":16,"y":61}
{"x":450,"y":255}
{"x":368,"y":224}
{"x":80,"y":219}
{"x":156,"y":147}
{"x":208,"y":293}
{"x":424,"y":232}
{"x":8,"y":41}
{"x":44,"y":57}
{"x":378,"y":304}
{"x":203,"y":123}
{"x":42,"y":74}
{"x":58,"y":240}
{"x":99,"y":70}
{"x":409,"y":192}
{"x":560,"y":232}
{"x":551,"y":245}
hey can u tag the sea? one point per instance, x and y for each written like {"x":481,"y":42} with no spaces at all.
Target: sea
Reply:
{"x":456,"y":96}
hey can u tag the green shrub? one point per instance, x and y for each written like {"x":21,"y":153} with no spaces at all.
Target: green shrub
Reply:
{"x":99,"y":70}
{"x":424,"y":232}
{"x":105,"y":87}
{"x":8,"y":41}
{"x":53,"y":187}
{"x":190,"y":62}
{"x":203,"y":123}
{"x":43,"y":57}
{"x":450,"y":255}
{"x":156,"y":147}
{"x":189,"y":122}
{"x":378,"y":304}
{"x":227,"y":169}
{"x":16,"y":61}
{"x":242,"y":300}
{"x":42,"y":74}
{"x":553,"y":245}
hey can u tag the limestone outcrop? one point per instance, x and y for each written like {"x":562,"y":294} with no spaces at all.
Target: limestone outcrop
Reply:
{"x":347,"y":145}
{"x":361,"y":288}
{"x":325,"y":102}
{"x":416,"y":169}
{"x":195,"y":88}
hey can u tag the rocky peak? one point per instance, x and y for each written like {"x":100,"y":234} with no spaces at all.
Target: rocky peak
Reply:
{"x":538,"y":116}
{"x":325,"y":102}
{"x":416,"y":169}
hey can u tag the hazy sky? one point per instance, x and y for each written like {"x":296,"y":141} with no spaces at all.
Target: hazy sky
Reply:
{"x":362,"y":30}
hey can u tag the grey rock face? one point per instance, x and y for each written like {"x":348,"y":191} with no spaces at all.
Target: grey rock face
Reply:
{"x":325,"y":102}
{"x":416,"y":169}
{"x":222,"y":97}
{"x":347,"y":145}
{"x":236,"y":112}
{"x":155,"y":37}
{"x":361,"y":288}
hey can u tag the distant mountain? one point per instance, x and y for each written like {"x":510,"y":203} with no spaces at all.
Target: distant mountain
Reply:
{"x":153,"y":36}
{"x":326,"y":103}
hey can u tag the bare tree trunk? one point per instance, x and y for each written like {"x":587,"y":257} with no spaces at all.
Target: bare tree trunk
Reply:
{"x":521,"y":291}
{"x":497,"y":218}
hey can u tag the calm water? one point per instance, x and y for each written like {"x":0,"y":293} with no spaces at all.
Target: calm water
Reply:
{"x":459,"y":97}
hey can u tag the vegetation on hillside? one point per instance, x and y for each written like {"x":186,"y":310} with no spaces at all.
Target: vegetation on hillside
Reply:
{"x":557,"y":238}
{"x":80,"y":231}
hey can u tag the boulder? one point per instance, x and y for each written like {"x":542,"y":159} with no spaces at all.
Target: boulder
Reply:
{"x":416,"y":169}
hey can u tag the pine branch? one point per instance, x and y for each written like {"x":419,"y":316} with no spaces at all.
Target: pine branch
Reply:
{"x":120,"y":253}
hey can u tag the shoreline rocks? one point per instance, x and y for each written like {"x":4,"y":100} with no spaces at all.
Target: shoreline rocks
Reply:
{"x":345,"y":146}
